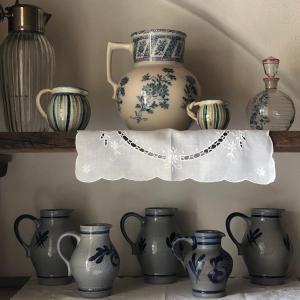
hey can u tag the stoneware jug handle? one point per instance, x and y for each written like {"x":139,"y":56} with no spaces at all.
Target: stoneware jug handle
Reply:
{"x":189,"y":110}
{"x":17,"y":233}
{"x":189,"y":240}
{"x":228,"y":221}
{"x":122,"y":225}
{"x":38,"y":102}
{"x":74,"y":235}
{"x":110,"y":48}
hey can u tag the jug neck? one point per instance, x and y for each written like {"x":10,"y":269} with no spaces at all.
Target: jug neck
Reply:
{"x":208,"y":238}
{"x":98,"y":230}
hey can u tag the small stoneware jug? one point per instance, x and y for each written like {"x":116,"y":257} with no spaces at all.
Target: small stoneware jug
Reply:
{"x":209,"y":114}
{"x":155,"y":93}
{"x":49,"y":267}
{"x":95,"y":261}
{"x":207,"y":263}
{"x":265,"y":247}
{"x":153,"y":244}
{"x":68,"y":110}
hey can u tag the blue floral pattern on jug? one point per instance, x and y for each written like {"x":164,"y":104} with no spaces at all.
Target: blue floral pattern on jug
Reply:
{"x":155,"y":93}
{"x":101,"y":252}
{"x":252,"y":236}
{"x":222,"y":267}
{"x":41,"y":238}
{"x":158,"y":45}
{"x":258,"y":120}
{"x":196,"y":265}
{"x":190,"y":91}
{"x":121,"y":91}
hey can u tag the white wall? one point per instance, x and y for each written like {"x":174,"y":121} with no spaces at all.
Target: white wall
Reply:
{"x":226,"y":40}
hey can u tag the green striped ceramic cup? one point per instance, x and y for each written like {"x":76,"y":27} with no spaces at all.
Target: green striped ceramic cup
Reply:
{"x":209,"y":114}
{"x":68,"y":110}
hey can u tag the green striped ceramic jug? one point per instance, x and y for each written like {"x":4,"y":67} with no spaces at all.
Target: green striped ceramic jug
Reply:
{"x":68,"y":110}
{"x":209,"y":114}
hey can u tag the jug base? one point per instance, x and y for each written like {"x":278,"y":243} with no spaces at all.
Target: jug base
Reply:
{"x":208,"y":294}
{"x":160,"y":279}
{"x":95,"y":292}
{"x":267,"y":280}
{"x":55,"y":280}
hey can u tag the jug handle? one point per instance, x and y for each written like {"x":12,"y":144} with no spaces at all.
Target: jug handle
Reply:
{"x":228,"y":221}
{"x":17,"y":233}
{"x":190,"y":240}
{"x":110,"y":48}
{"x":122,"y":225}
{"x":38,"y":102}
{"x":189,"y":110}
{"x":74,"y":235}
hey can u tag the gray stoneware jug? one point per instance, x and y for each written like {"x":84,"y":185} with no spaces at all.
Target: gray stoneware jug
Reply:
{"x":207,"y":263}
{"x":95,"y":261}
{"x":49,"y":267}
{"x":154,"y":243}
{"x":265,"y":247}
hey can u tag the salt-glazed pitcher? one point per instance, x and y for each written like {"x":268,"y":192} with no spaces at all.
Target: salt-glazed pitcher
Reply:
{"x":155,"y":93}
{"x":95,"y":261}
{"x":265,"y":247}
{"x":209,"y":114}
{"x":68,"y":110}
{"x":153,"y":244}
{"x":49,"y":267}
{"x":207,"y":263}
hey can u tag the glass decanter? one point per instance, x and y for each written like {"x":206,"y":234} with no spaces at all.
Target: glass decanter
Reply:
{"x":271,"y":109}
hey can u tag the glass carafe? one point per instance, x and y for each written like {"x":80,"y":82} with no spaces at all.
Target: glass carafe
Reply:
{"x":27,"y":63}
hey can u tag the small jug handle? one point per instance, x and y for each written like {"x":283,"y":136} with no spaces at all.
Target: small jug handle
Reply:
{"x":38,"y":102}
{"x":228,"y":221}
{"x":189,"y":110}
{"x":189,"y":240}
{"x":110,"y":48}
{"x":122,"y":225}
{"x":17,"y":233}
{"x":74,"y":235}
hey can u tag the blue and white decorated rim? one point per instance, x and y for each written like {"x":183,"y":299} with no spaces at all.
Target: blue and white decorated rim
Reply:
{"x":69,"y":90}
{"x":208,"y":237}
{"x":160,"y":211}
{"x":267,"y":212}
{"x":55,"y":213}
{"x":158,"y":45}
{"x":95,"y":228}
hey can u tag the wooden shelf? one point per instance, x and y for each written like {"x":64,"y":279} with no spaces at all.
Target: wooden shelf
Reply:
{"x":27,"y":142}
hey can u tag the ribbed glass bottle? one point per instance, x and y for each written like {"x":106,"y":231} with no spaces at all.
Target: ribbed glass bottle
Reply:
{"x":27,"y":62}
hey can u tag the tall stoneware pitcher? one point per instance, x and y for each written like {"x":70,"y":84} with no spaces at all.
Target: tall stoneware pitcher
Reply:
{"x":265,"y":247}
{"x":153,"y":246}
{"x":50,"y":268}
{"x":155,"y":93}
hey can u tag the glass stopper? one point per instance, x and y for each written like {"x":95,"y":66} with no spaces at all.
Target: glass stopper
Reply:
{"x":271,"y":65}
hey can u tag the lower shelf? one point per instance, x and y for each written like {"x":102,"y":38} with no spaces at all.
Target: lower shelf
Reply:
{"x":136,"y":289}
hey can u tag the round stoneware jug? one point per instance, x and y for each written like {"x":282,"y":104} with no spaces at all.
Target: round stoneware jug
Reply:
{"x":265,"y":247}
{"x":68,"y":110}
{"x":153,"y":245}
{"x":207,"y":263}
{"x":49,"y":267}
{"x":155,"y":93}
{"x":95,"y":261}
{"x":209,"y":114}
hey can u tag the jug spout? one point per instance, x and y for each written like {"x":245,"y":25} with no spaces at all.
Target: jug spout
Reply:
{"x":47,"y":17}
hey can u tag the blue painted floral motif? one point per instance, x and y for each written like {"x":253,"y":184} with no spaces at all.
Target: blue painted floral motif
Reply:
{"x":287,"y":242}
{"x":121,"y":91}
{"x":190,"y":91}
{"x":252,"y":236}
{"x":155,"y":93}
{"x":196,"y":265}
{"x":141,"y":245}
{"x":222,"y":267}
{"x":40,"y":238}
{"x":257,"y":120}
{"x":102,"y":252}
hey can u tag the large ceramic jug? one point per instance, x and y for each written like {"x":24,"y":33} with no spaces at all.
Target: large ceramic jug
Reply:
{"x":155,"y":93}
{"x":95,"y":261}
{"x":207,"y":263}
{"x":153,"y":245}
{"x":50,"y":269}
{"x":265,"y":247}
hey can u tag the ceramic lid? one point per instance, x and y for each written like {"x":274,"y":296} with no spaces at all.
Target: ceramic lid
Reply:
{"x":55,"y":213}
{"x":265,"y":212}
{"x":69,"y":90}
{"x":95,"y":228}
{"x":160,"y":211}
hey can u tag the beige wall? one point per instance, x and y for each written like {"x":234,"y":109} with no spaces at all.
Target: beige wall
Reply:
{"x":226,"y":40}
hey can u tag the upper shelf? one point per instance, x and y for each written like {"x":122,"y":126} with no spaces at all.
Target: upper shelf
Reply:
{"x":28,"y":142}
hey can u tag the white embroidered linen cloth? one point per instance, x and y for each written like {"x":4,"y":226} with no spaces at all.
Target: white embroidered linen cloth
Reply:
{"x":201,"y":155}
